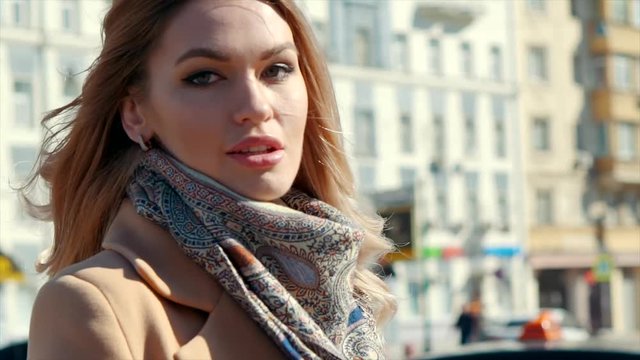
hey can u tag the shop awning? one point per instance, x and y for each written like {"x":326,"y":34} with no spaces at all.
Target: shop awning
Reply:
{"x":9,"y":270}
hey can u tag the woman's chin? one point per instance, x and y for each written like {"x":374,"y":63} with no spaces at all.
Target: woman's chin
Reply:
{"x":263,"y":191}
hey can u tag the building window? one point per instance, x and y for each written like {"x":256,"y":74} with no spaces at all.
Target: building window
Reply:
{"x":467,"y":59}
{"x":438,"y":107}
{"x":447,"y":291}
{"x":70,"y":15}
{"x":71,"y":86}
{"x":574,"y":8}
{"x":70,"y":67}
{"x":406,"y":133}
{"x":544,"y":207}
{"x":399,"y":53}
{"x":473,"y":204}
{"x":600,"y":72}
{"x":536,"y":5}
{"x":637,"y":74}
{"x":500,"y":133}
{"x":441,"y":198}
{"x":619,"y":11}
{"x":435,"y":57}
{"x":366,"y":178}
{"x":407,"y":176}
{"x":70,"y":81}
{"x":415,"y":290}
{"x":468,"y":108}
{"x":20,"y":12}
{"x":439,"y":141}
{"x":602,"y":140}
{"x":577,"y":69}
{"x":365,"y":133}
{"x":627,"y":141}
{"x":496,"y":63}
{"x":622,"y":72}
{"x":541,"y":134}
{"x":635,"y":13}
{"x":363,"y":47}
{"x":22,"y":159}
{"x":498,"y":108}
{"x":502,"y":191}
{"x":537,"y":63}
{"x":470,"y":134}
{"x":23,"y":103}
{"x":362,"y":24}
{"x":320,"y":30}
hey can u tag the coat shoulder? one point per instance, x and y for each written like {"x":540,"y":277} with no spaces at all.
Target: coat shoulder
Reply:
{"x":73,"y":316}
{"x":103,"y":263}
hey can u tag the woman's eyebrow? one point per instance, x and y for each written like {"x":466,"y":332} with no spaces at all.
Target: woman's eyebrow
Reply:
{"x":278,"y":49}
{"x":215,"y":54}
{"x":203,"y":52}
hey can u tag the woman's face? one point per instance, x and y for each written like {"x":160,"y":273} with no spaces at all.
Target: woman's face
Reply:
{"x":225,"y":95}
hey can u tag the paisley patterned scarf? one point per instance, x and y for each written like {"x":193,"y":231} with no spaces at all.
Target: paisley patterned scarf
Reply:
{"x":289,"y":267}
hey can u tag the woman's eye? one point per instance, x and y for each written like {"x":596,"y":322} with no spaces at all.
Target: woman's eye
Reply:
{"x":202,"y":78}
{"x":278,"y":72}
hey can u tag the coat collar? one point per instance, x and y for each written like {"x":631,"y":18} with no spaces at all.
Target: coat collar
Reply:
{"x":159,"y":260}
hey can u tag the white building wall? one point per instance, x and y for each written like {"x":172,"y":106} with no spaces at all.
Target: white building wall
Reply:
{"x":560,"y":99}
{"x":491,"y":26}
{"x":49,"y":44}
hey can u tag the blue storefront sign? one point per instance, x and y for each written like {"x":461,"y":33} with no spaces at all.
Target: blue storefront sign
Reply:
{"x":502,"y":251}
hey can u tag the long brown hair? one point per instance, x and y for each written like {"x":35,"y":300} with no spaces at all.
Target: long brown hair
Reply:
{"x":87,"y":162}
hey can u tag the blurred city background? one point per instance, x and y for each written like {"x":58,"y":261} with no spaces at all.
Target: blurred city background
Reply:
{"x":500,"y":138}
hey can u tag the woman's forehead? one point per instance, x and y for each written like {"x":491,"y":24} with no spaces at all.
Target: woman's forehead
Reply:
{"x":227,"y":25}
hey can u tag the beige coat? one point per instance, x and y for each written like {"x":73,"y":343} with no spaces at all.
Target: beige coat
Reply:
{"x":141,"y":298}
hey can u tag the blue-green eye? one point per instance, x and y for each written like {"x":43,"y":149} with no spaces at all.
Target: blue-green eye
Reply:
{"x":202,"y":78}
{"x":278,"y":72}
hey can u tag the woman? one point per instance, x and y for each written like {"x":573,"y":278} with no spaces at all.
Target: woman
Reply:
{"x":201,"y":199}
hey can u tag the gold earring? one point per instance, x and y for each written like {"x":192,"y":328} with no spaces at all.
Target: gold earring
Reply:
{"x":144,"y":145}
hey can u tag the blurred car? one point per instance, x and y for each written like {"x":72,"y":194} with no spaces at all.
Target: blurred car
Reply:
{"x":541,"y":338}
{"x":14,"y":351}
{"x":504,"y":329}
{"x":511,"y":328}
{"x":571,"y":329}
{"x":557,"y":350}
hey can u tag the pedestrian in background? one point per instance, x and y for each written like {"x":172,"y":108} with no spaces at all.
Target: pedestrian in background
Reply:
{"x":465,"y":324}
{"x":475,"y":309}
{"x":202,"y":202}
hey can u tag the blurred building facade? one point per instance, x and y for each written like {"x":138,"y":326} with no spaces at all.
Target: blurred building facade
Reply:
{"x":510,"y":217}
{"x":609,"y":130}
{"x":490,"y":132}
{"x":428,"y":99}
{"x":580,"y":108}
{"x":44,"y":47}
{"x":551,"y":103}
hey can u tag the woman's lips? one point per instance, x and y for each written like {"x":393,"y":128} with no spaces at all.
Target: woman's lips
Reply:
{"x":258,"y":160}
{"x":258,"y":152}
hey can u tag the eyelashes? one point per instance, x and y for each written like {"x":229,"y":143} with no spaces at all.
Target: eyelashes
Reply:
{"x":201,"y":78}
{"x":278,"y":72}
{"x":275,"y":73}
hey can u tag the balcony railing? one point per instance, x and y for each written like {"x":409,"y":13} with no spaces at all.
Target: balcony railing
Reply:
{"x":608,"y":104}
{"x":453,"y":15}
{"x":616,"y":172}
{"x":610,"y":38}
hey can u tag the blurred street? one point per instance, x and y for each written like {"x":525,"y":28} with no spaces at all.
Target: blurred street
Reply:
{"x":499,"y":138}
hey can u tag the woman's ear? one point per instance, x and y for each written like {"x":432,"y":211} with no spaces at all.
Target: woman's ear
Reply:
{"x":133,"y":120}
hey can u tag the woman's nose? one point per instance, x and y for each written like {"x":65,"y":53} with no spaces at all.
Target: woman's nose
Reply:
{"x":252,"y":103}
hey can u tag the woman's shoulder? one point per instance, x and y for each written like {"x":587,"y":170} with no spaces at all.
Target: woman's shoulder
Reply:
{"x":103,"y":260}
{"x":100,"y":270}
{"x":73,"y":313}
{"x":100,"y":285}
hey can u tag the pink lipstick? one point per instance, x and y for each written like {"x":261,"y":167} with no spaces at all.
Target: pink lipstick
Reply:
{"x":258,"y":152}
